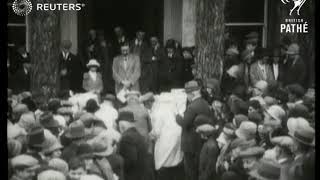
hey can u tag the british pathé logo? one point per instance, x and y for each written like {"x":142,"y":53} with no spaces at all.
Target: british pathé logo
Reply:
{"x":294,"y":25}
{"x":297,"y":4}
{"x":24,"y":7}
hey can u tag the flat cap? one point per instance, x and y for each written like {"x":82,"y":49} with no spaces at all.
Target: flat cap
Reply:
{"x":24,"y":160}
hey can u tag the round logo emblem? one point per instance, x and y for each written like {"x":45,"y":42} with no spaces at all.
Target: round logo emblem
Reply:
{"x":22,"y":7}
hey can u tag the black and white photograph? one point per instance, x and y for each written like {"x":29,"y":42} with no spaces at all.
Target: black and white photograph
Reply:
{"x":160,"y":89}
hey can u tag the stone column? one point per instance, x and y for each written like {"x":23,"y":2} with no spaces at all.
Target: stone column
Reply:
{"x":69,"y":26}
{"x":172,"y":20}
{"x":44,"y":33}
{"x":188,"y":23}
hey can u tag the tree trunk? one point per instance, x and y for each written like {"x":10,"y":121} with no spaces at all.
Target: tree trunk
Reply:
{"x":210,"y":38}
{"x":44,"y":29}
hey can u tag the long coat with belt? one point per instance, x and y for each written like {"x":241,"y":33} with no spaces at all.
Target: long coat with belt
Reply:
{"x":137,"y":161}
{"x":256,"y":74}
{"x":131,"y":72}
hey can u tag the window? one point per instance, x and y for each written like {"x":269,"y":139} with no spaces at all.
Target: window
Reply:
{"x":245,"y":16}
{"x":17,"y":29}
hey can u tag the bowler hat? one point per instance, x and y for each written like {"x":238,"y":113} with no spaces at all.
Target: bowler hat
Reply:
{"x":92,"y":106}
{"x":126,"y":116}
{"x":252,"y":151}
{"x":191,"y":86}
{"x":76,"y":130}
{"x":36,"y":137}
{"x":93,"y":63}
{"x":305,"y":135}
{"x":266,"y":170}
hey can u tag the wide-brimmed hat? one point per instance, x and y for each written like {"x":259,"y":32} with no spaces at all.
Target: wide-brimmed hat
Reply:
{"x":20,"y":109}
{"x":51,"y":174}
{"x":51,"y":144}
{"x":293,"y":49}
{"x":101,"y":145}
{"x":305,"y":135}
{"x":283,"y":141}
{"x":27,"y":121}
{"x":125,"y":116}
{"x":251,"y":152}
{"x":24,"y":160}
{"x":266,"y":170}
{"x":76,"y":130}
{"x":93,"y":63}
{"x":191,"y":86}
{"x":276,"y":112}
{"x":89,"y":119}
{"x":239,"y":118}
{"x":261,"y":85}
{"x":294,"y":123}
{"x":36,"y":137}
{"x":47,"y":120}
{"x":246,"y":130}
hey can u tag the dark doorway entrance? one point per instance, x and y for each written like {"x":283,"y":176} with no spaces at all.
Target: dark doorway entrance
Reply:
{"x":130,"y":14}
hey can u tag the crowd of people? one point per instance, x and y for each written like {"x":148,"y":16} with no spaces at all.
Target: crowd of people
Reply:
{"x":255,"y":123}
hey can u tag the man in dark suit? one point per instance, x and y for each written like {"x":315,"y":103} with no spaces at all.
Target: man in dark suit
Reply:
{"x":17,"y":59}
{"x":118,"y":40}
{"x":70,"y":68}
{"x":294,"y":67}
{"x":277,"y":65}
{"x":133,"y":149}
{"x":21,"y":79}
{"x":191,"y":141}
{"x":171,"y":69}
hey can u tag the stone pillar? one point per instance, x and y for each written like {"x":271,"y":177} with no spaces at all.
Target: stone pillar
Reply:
{"x":69,"y":26}
{"x":172,"y":20}
{"x":188,"y":23}
{"x":44,"y":33}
